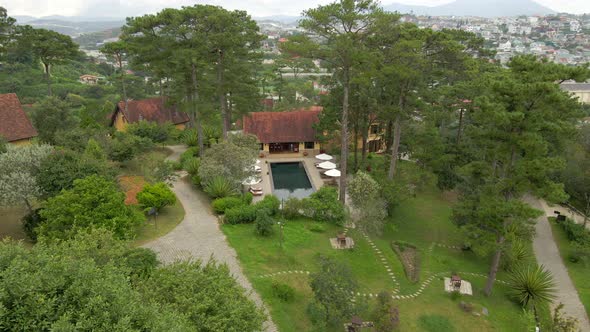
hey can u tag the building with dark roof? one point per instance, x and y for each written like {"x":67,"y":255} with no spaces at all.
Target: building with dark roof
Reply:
{"x":151,"y":109}
{"x":285,"y":132}
{"x":15,"y":126}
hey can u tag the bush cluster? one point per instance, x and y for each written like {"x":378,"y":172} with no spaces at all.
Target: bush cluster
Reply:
{"x":245,"y":213}
{"x":323,"y":205}
{"x":155,"y":132}
{"x":223,"y":204}
{"x":242,"y":214}
{"x":282,"y":291}
{"x":580,"y":238}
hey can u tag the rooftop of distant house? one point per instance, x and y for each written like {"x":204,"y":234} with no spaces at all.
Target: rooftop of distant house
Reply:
{"x":152,"y":109}
{"x":14,"y":123}
{"x":283,"y":127}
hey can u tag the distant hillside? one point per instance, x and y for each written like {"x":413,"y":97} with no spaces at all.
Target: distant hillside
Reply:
{"x":88,"y":41}
{"x":70,"y":26}
{"x":481,"y":8}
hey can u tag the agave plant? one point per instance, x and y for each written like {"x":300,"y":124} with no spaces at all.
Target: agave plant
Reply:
{"x":531,"y":286}
{"x":190,"y":137}
{"x":220,"y":187}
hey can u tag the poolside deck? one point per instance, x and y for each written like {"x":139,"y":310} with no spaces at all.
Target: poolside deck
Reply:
{"x":314,"y":174}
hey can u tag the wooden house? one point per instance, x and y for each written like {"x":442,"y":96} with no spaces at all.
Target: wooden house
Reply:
{"x":152,"y":110}
{"x":15,"y":126}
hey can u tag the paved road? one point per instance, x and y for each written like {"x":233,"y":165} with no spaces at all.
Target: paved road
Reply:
{"x":548,"y":255}
{"x":198,"y":236}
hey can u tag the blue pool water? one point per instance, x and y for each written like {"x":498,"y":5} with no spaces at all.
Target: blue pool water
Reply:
{"x":290,"y":180}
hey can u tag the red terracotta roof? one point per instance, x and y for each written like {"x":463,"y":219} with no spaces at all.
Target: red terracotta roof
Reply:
{"x":283,"y":127}
{"x":152,"y":109}
{"x":14,"y":123}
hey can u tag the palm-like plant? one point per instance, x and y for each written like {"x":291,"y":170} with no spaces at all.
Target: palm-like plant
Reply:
{"x":531,"y":286}
{"x":219,"y":187}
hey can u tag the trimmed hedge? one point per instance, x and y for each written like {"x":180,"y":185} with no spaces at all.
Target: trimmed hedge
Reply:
{"x":271,"y":203}
{"x":221,"y":205}
{"x":242,"y":214}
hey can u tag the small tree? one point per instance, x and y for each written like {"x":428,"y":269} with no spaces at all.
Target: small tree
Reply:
{"x":19,"y":167}
{"x":92,"y":202}
{"x":532,"y":286}
{"x":156,"y":196}
{"x":228,"y":159}
{"x":365,"y":197}
{"x":264,"y":223}
{"x":332,"y":287}
{"x":562,"y":323}
{"x":323,"y":205}
{"x":385,"y":313}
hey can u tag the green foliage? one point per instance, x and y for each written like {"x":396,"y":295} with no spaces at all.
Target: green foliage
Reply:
{"x":205,"y":294}
{"x":124,"y":146}
{"x":332,"y":286}
{"x":516,"y":255}
{"x":247,"y":198}
{"x":282,"y":291}
{"x":264,"y":223}
{"x":93,"y":202}
{"x":51,"y":116}
{"x":563,"y":323}
{"x":218,"y":187}
{"x":157,"y":133}
{"x":531,"y":286}
{"x":228,"y":160}
{"x":292,"y":208}
{"x":220,"y":205}
{"x":435,"y":323}
{"x":575,"y":232}
{"x":365,"y":195}
{"x":157,"y":195}
{"x":192,"y":166}
{"x":384,"y":312}
{"x":141,"y":261}
{"x":242,"y":214}
{"x":323,"y":205}
{"x":190,"y":153}
{"x":270,"y":203}
{"x":31,"y":221}
{"x":190,"y":138}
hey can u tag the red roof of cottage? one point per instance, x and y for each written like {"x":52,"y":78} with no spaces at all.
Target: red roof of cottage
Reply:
{"x":14,"y":123}
{"x":283,"y":127}
{"x":152,"y":109}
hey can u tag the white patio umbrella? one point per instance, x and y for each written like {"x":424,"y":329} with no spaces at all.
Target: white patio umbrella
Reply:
{"x":258,"y":161}
{"x":257,"y":168}
{"x":323,"y":156}
{"x":333,"y":173}
{"x":250,"y":181}
{"x":327,"y":165}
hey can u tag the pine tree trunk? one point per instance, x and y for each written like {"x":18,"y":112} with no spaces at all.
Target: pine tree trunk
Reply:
{"x":494,"y":267}
{"x":397,"y":132}
{"x":460,"y":129}
{"x":48,"y":79}
{"x":344,"y":138}
{"x":196,"y":119}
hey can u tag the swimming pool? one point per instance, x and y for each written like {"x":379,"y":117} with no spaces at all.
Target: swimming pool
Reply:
{"x":290,"y":180}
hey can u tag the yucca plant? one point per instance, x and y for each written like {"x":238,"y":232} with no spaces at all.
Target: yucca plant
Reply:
{"x":517,"y":255}
{"x":220,"y":187}
{"x":192,"y":165}
{"x":532,"y":285}
{"x":190,"y":137}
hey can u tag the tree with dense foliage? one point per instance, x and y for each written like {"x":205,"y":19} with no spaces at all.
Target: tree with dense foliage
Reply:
{"x":332,"y":287}
{"x":343,"y":25}
{"x":7,"y":24}
{"x":323,"y":205}
{"x":93,"y":202}
{"x":94,"y":282}
{"x":20,"y":167}
{"x":365,"y":197}
{"x":118,"y":51}
{"x":157,"y":195}
{"x":523,"y":118}
{"x":51,"y":48}
{"x":52,"y":116}
{"x":576,"y":174}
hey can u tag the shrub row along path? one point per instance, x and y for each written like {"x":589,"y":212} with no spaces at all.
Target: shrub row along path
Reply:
{"x":548,"y":256}
{"x":198,"y":236}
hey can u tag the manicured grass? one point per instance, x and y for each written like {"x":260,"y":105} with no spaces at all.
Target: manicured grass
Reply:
{"x":578,"y":272}
{"x":10,"y":223}
{"x":167,"y":220}
{"x":420,"y":221}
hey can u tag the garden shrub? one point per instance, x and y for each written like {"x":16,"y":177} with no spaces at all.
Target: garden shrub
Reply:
{"x":575,"y":232}
{"x":292,"y":208}
{"x":270,"y":203}
{"x":220,"y":187}
{"x":323,"y":205}
{"x":247,"y":198}
{"x":190,"y":153}
{"x":220,"y":205}
{"x":192,"y":165}
{"x":125,"y":146}
{"x":579,"y":253}
{"x":157,"y":133}
{"x":30,"y":223}
{"x":282,"y":291}
{"x":264,"y":223}
{"x":190,"y":137}
{"x":157,"y":195}
{"x":242,"y":214}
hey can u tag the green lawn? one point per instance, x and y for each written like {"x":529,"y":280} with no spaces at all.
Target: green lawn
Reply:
{"x":167,"y":220}
{"x":420,"y":221}
{"x":579,"y":272}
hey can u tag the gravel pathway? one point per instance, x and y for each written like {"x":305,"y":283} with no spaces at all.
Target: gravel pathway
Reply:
{"x":198,"y":236}
{"x":548,"y":255}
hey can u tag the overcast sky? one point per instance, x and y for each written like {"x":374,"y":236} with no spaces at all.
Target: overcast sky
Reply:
{"x":123,"y":8}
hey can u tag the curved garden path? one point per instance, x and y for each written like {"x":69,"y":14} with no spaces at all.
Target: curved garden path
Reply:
{"x":548,"y":255}
{"x":198,"y":236}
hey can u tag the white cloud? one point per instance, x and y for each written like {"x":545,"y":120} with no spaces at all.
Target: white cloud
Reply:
{"x":122,"y":8}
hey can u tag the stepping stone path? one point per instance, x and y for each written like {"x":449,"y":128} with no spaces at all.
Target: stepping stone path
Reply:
{"x":384,"y":262}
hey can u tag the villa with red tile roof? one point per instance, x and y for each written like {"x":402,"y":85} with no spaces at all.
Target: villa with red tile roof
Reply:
{"x":152,"y":110}
{"x":285,"y":132}
{"x":15,"y":126}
